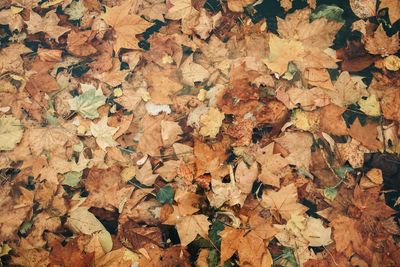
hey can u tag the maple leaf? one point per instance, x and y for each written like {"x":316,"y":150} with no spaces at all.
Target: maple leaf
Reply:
{"x":249,"y":246}
{"x":238,"y":5}
{"x":88,"y":102}
{"x":180,"y":9}
{"x":193,"y":72}
{"x":70,"y":255}
{"x":299,"y":153}
{"x":272,"y":165}
{"x":191,"y":226}
{"x":282,"y":52}
{"x":245,"y":176}
{"x":11,"y":132}
{"x":170,"y":132}
{"x":284,"y":201}
{"x":103,"y":133}
{"x":346,"y":234}
{"x":126,"y":26}
{"x":12,"y":19}
{"x":393,"y":9}
{"x":47,"y":24}
{"x":81,"y":221}
{"x":381,"y":44}
{"x":79,"y":43}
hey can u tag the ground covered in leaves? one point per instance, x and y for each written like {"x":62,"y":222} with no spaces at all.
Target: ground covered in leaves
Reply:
{"x":199,"y":133}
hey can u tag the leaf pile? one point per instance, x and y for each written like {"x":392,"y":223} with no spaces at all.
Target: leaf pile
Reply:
{"x":199,"y":133}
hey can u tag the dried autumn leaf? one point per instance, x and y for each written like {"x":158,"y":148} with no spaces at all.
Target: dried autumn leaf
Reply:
{"x":272,"y":165}
{"x":282,"y":51}
{"x":103,"y":133}
{"x":192,"y":72}
{"x":126,"y":26}
{"x":80,"y":220}
{"x":284,"y":201}
{"x":170,"y":132}
{"x":363,"y":8}
{"x":11,"y":132}
{"x":47,"y":24}
{"x":211,"y":122}
{"x":393,"y":9}
{"x":191,"y":226}
{"x":381,"y":44}
{"x":70,"y":255}
{"x":79,"y":43}
{"x":180,"y":9}
{"x":238,"y":5}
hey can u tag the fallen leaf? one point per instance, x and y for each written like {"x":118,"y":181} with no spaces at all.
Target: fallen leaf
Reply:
{"x":103,"y":133}
{"x":126,"y":26}
{"x":284,"y":202}
{"x":47,"y":24}
{"x":11,"y":132}
{"x":191,"y":226}
{"x":381,"y":44}
{"x":393,"y":9}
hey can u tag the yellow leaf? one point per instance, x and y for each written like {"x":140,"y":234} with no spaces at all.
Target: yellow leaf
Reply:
{"x":370,"y":106}
{"x":392,"y":63}
{"x":282,"y":51}
{"x":11,"y":132}
{"x":211,"y":122}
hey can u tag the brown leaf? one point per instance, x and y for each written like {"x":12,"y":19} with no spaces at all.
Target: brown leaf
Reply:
{"x":70,"y":255}
{"x":381,"y":44}
{"x":79,"y":43}
{"x":136,"y":237}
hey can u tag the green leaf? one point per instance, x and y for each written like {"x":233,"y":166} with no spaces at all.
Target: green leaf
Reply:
{"x":330,"y":193}
{"x":329,"y":12}
{"x":165,"y":195}
{"x":216,"y":227}
{"x":342,"y":170}
{"x":213,"y":258}
{"x":72,"y":178}
{"x":25,"y":227}
{"x":87,"y":103}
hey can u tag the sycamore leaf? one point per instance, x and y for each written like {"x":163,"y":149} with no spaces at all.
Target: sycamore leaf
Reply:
{"x":191,"y":226}
{"x":88,"y":102}
{"x":370,"y":106}
{"x":180,"y":9}
{"x":47,"y":24}
{"x":239,"y":5}
{"x":103,"y":133}
{"x":284,"y":201}
{"x":272,"y":165}
{"x":282,"y":51}
{"x":299,"y":152}
{"x":393,"y":9}
{"x":11,"y":132}
{"x":126,"y":26}
{"x":80,"y":220}
{"x":381,"y":44}
{"x":193,"y":72}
